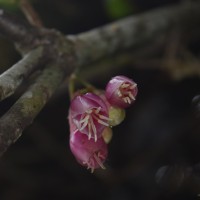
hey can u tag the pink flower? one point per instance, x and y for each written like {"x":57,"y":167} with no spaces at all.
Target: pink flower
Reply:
{"x":88,"y":152}
{"x":116,"y":114}
{"x":121,"y":91}
{"x":89,"y":114}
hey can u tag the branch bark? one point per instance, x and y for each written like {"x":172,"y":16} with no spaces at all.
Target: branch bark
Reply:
{"x":16,"y":30}
{"x":14,"y":76}
{"x":132,"y":32}
{"x":23,"y":112}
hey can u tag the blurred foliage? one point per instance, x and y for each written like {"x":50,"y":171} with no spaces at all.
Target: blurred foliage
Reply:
{"x":118,"y":8}
{"x":11,"y":5}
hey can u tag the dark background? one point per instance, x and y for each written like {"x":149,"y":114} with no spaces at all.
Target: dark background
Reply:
{"x":154,"y":153}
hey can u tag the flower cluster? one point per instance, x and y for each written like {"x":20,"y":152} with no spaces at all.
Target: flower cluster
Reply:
{"x":91,"y":116}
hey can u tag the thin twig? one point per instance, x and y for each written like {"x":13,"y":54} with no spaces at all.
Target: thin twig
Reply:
{"x":30,"y":13}
{"x":16,"y":30}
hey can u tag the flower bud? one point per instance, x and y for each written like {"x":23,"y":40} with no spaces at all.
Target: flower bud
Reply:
{"x":116,"y":115}
{"x":121,"y":91}
{"x":107,"y":134}
{"x":89,"y":114}
{"x":88,"y":152}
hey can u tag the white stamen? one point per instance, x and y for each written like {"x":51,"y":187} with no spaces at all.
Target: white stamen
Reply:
{"x":102,"y":122}
{"x":95,"y":137}
{"x":99,"y":161}
{"x":94,"y":129}
{"x":124,"y":85}
{"x":128,"y":100}
{"x":131,"y":95}
{"x":91,"y":164}
{"x":89,"y":111}
{"x":119,"y":93}
{"x":85,"y":119}
{"x":100,"y":155}
{"x":84,"y":124}
{"x":133,"y":86}
{"x":104,"y":117}
{"x":125,"y":100}
{"x":89,"y":131}
{"x":88,"y":120}
{"x":97,"y":110}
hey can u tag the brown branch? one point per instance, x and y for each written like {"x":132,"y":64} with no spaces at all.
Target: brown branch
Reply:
{"x":30,"y":13}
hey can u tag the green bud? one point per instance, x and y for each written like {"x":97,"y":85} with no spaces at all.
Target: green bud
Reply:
{"x":116,"y":115}
{"x":107,"y":134}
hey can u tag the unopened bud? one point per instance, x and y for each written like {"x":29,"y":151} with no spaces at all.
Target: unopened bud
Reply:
{"x":116,"y":115}
{"x":107,"y":134}
{"x":121,"y":91}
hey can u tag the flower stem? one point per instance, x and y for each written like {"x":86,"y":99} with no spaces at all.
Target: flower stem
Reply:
{"x":71,"y":85}
{"x":85,"y":83}
{"x":30,"y":13}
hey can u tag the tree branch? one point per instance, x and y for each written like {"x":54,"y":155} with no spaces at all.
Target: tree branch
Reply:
{"x":14,"y":76}
{"x":131,"y":32}
{"x":16,"y":30}
{"x":22,"y":113}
